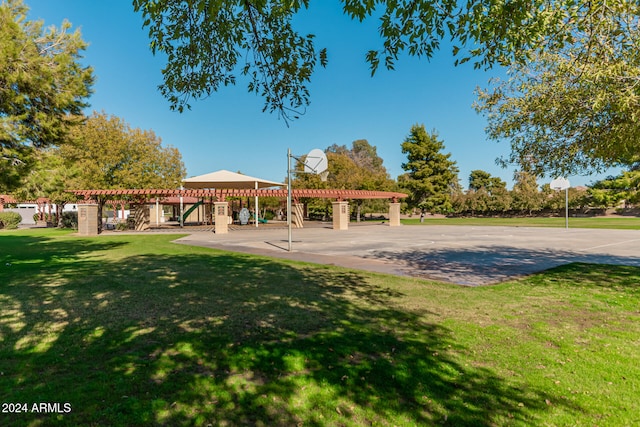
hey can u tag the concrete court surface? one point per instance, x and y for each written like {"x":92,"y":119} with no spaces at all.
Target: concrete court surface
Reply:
{"x":466,"y":255}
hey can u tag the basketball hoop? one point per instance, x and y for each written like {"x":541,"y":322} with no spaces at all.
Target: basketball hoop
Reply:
{"x":316,"y":163}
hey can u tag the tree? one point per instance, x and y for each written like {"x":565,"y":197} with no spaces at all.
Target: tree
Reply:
{"x":374,"y":176}
{"x":358,"y":168}
{"x":110,"y":155}
{"x":525,"y":194}
{"x":556,"y":199}
{"x":209,"y":42}
{"x":363,"y":171}
{"x":487,"y":193}
{"x":48,"y":178}
{"x":615,"y":189}
{"x":574,"y":109}
{"x":42,"y":86}
{"x":430,"y":176}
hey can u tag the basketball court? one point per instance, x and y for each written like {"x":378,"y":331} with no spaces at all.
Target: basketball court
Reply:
{"x":465,"y":255}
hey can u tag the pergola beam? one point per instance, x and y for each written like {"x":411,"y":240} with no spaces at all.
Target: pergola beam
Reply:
{"x":221,"y":194}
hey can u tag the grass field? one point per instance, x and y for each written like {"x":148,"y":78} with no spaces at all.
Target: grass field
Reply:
{"x":629,"y":223}
{"x":127,"y":330}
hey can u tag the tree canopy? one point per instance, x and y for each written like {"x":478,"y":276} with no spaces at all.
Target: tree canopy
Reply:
{"x":355,"y":168}
{"x":49,"y":177}
{"x":42,"y":85}
{"x":614,"y":189}
{"x":574,"y":109}
{"x":486,"y":193}
{"x":109,"y":154}
{"x":525,"y":194}
{"x":208,"y":43}
{"x":479,"y":179}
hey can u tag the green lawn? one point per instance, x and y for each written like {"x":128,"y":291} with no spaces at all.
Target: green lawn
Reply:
{"x":630,"y":223}
{"x":135,"y":330}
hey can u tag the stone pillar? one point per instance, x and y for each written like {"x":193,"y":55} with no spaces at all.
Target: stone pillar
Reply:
{"x":155,"y":213}
{"x":88,"y":220}
{"x":394,"y":214}
{"x":297,"y":216}
{"x":221,"y":217}
{"x":340,"y":215}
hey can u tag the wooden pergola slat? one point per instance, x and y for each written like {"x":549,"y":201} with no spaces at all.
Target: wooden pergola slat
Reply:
{"x":221,"y":194}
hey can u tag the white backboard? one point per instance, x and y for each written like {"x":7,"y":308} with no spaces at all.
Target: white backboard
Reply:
{"x":315,"y":162}
{"x":560,"y":183}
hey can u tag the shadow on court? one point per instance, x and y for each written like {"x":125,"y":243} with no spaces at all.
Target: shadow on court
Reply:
{"x":488,"y":264}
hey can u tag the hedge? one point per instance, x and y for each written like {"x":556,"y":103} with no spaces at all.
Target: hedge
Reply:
{"x":10,"y":220}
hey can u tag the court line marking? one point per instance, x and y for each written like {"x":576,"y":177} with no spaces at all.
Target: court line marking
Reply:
{"x":612,"y":244}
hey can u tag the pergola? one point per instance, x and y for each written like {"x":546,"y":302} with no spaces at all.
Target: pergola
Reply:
{"x":44,"y":204}
{"x":222,"y":193}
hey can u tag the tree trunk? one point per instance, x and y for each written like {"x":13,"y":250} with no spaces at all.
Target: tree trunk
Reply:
{"x":59,"y":208}
{"x":100,"y":206}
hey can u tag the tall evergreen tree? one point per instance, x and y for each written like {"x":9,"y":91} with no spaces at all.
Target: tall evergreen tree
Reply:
{"x":431,"y":175}
{"x":42,"y":85}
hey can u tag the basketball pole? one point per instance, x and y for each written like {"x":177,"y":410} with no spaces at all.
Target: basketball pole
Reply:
{"x":181,"y":207}
{"x":566,"y":208}
{"x":289,"y":196}
{"x":312,"y":169}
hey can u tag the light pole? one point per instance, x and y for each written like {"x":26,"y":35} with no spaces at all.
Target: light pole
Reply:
{"x":559,"y":184}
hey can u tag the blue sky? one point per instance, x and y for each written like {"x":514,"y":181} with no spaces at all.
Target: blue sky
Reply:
{"x":229,"y":130}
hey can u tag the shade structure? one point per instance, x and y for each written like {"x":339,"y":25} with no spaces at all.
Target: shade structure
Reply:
{"x":224,"y":179}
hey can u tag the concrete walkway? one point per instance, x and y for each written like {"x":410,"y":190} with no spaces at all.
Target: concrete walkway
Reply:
{"x":466,"y":255}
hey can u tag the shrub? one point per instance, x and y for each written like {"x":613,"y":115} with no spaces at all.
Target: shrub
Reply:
{"x":69,"y":220}
{"x":269,"y":215}
{"x":10,"y":220}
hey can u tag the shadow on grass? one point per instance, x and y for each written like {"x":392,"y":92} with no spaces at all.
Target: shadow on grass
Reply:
{"x":216,"y":338}
{"x":41,"y":251}
{"x":618,"y":277}
{"x":491,"y":264}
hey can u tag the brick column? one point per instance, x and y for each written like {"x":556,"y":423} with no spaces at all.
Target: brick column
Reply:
{"x":88,"y":220}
